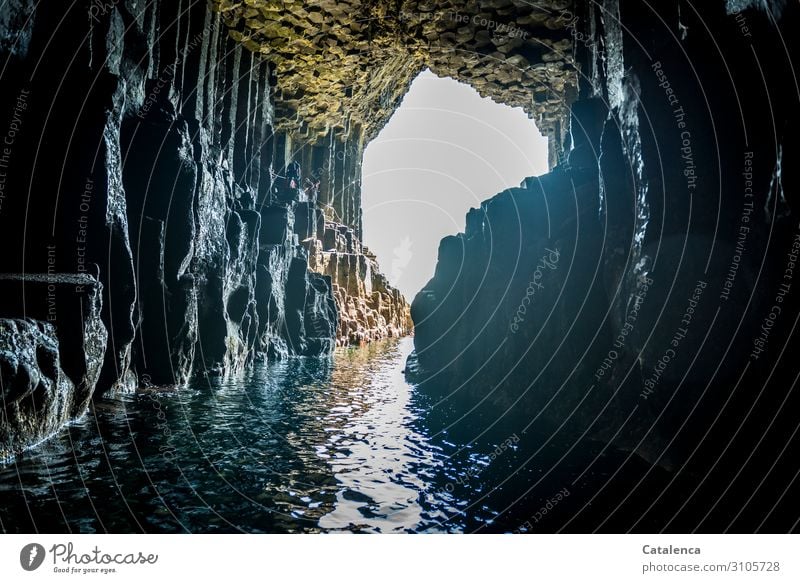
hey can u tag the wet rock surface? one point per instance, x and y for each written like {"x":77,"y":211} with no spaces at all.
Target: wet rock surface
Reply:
{"x":38,"y":398}
{"x":51,"y":360}
{"x":144,"y":161}
{"x":640,"y":296}
{"x":72,"y":305}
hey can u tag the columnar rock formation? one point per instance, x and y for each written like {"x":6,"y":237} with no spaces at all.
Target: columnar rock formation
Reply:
{"x":369,"y":308}
{"x":194,"y":170}
{"x":340,"y":69}
{"x":641,"y":295}
{"x":143,"y":175}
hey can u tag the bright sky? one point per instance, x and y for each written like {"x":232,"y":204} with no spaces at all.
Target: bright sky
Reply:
{"x":444,"y":150}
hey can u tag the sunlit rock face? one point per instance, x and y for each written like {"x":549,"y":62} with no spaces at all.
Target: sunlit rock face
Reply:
{"x":369,"y":307}
{"x":624,"y":297}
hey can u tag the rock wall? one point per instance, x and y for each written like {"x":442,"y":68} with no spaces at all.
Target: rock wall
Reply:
{"x":51,"y":361}
{"x":37,"y":395}
{"x":369,"y":307}
{"x":142,"y":156}
{"x":641,"y":295}
{"x":180,"y":197}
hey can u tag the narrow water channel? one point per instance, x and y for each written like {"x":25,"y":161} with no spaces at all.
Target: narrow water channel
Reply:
{"x":304,"y":445}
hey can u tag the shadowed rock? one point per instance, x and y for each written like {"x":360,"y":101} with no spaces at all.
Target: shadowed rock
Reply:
{"x":38,"y":398}
{"x":51,"y":361}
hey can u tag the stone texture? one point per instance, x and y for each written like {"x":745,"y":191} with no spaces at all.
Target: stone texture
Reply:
{"x":345,"y":66}
{"x":369,"y":307}
{"x":51,"y":361}
{"x":37,"y":396}
{"x":158,"y":190}
{"x":671,"y":252}
{"x":72,"y":306}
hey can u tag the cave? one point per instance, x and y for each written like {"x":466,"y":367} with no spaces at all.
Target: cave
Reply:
{"x":188,"y":300}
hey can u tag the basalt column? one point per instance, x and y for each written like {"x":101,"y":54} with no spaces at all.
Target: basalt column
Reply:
{"x":640,"y":296}
{"x":139,"y":143}
{"x":189,"y":175}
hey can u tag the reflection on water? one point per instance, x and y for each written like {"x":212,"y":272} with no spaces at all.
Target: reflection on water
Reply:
{"x":372,"y":447}
{"x":300,"y":446}
{"x":326,"y":445}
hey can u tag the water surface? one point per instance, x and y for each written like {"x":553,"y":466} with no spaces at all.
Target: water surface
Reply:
{"x":305,"y":445}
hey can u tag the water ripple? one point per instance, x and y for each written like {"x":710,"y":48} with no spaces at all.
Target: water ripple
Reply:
{"x":306,"y":445}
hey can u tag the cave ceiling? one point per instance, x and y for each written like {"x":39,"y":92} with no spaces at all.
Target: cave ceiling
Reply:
{"x":345,"y":65}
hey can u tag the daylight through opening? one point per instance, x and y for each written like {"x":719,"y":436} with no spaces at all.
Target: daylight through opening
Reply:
{"x":441,"y":152}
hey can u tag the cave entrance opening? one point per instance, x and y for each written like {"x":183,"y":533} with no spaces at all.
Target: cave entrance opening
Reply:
{"x":445,"y":150}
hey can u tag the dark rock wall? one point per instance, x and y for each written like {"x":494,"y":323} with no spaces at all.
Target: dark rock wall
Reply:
{"x":139,"y":155}
{"x":51,"y":361}
{"x":647,"y":284}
